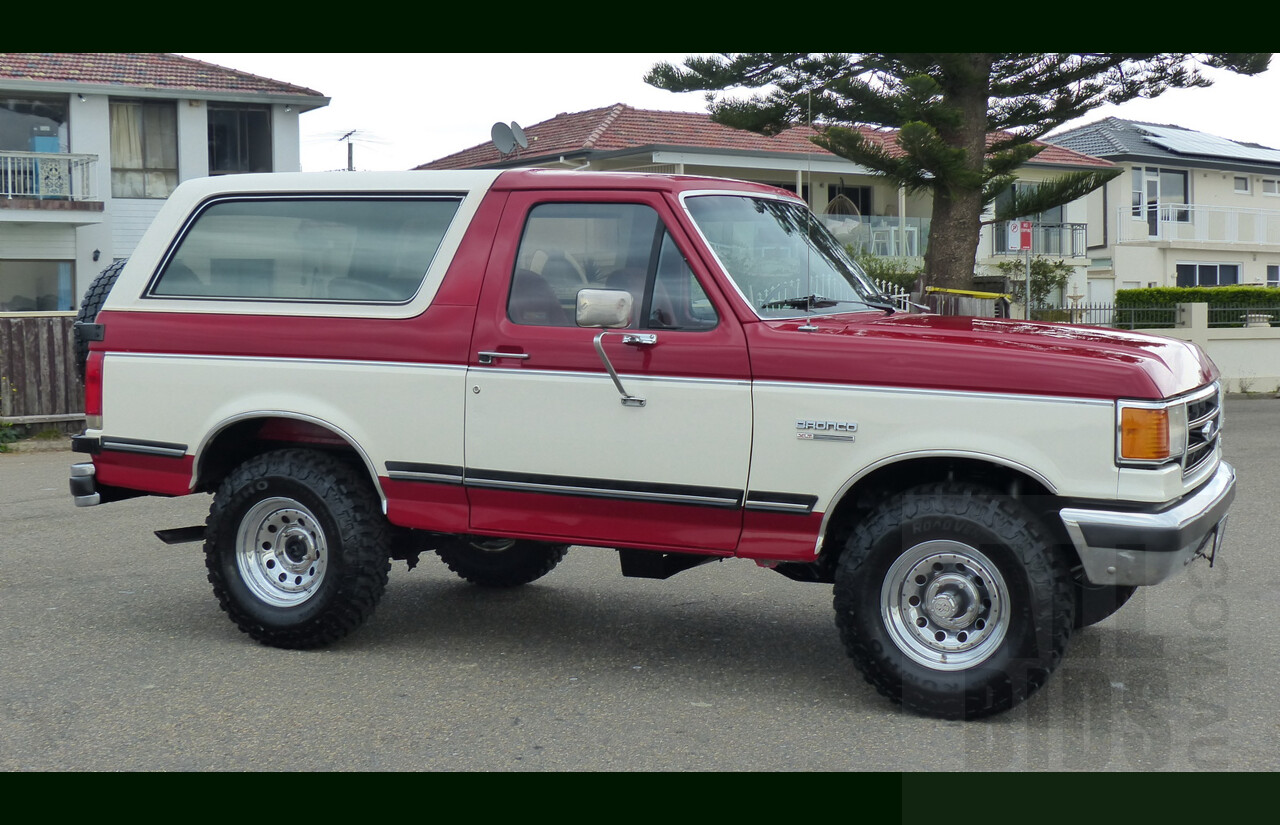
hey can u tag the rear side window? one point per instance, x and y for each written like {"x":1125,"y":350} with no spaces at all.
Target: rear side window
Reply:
{"x":347,"y":250}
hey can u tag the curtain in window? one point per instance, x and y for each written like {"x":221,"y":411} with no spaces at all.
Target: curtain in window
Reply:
{"x":144,"y":149}
{"x":161,"y":149}
{"x":126,"y":151}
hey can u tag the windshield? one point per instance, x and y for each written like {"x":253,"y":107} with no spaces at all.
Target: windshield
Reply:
{"x":781,"y":257}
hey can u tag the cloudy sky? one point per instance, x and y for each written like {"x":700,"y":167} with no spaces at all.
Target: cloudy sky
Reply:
{"x":408,"y":109}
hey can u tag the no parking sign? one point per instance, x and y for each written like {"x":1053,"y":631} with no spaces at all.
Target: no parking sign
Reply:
{"x":1019,"y":235}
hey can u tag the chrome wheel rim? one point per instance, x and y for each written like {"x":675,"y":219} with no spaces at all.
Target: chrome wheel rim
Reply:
{"x":945,"y":605}
{"x":281,"y":552}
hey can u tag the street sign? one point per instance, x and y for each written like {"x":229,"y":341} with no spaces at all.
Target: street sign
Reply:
{"x":1019,"y":235}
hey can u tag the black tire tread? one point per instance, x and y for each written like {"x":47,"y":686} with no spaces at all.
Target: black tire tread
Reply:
{"x":361,"y":568}
{"x":1097,"y":602}
{"x":94,"y":298}
{"x":522,"y":563}
{"x":1046,"y":567}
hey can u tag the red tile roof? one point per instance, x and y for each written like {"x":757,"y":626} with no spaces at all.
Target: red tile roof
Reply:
{"x":620,"y":128}
{"x":140,"y":70}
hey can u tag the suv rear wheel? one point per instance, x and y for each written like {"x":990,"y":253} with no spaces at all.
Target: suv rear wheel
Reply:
{"x":296,"y":548}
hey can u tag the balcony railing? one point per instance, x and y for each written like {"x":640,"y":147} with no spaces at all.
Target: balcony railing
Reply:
{"x":1065,"y":240}
{"x":47,"y":176}
{"x":1198,"y":223}
{"x":881,"y":235}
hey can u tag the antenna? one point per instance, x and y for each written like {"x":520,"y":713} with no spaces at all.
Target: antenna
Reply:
{"x":507,"y":138}
{"x":350,"y":153}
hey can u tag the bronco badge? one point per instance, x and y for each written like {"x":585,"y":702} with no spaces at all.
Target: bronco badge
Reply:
{"x":814,"y":430}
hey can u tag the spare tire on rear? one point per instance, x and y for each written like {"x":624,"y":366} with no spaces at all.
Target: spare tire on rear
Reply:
{"x":94,"y":297}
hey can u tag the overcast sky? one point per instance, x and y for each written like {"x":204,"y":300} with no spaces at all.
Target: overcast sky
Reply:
{"x":408,"y":109}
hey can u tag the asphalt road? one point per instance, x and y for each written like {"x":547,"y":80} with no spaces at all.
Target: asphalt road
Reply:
{"x":114,"y":656}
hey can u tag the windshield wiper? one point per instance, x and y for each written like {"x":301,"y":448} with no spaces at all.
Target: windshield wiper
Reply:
{"x":811,"y":302}
{"x":805,"y":302}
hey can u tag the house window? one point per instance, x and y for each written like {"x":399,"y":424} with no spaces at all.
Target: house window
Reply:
{"x":1271,"y":186}
{"x":36,"y":286}
{"x":1273,"y":275}
{"x":239,"y":139}
{"x":1048,"y":237}
{"x":859,"y":196}
{"x":1241,"y":184}
{"x":33,"y":124}
{"x":1208,"y":274}
{"x":1158,"y":195}
{"x":144,"y":149}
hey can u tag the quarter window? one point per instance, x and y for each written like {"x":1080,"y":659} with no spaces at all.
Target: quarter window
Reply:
{"x":340,"y":250}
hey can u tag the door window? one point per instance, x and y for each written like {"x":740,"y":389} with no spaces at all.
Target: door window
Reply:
{"x":566,"y":247}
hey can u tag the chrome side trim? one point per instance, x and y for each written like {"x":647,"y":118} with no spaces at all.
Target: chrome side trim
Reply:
{"x":156,"y":448}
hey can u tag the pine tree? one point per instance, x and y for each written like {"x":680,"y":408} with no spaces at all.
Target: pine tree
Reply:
{"x":957,"y":125}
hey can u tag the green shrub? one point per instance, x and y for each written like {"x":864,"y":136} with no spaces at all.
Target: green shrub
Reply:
{"x":8,"y":435}
{"x":1220,"y":296}
{"x":896,"y":271}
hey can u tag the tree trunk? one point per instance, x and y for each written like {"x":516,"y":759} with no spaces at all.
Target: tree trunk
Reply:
{"x":953,"y":239}
{"x":957,"y":197}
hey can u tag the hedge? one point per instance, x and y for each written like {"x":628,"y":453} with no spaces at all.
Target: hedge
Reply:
{"x":1214,"y":296}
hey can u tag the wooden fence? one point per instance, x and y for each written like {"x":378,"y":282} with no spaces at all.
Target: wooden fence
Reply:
{"x":38,"y":381}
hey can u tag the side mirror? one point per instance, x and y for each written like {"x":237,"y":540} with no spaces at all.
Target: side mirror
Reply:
{"x":604,"y":308}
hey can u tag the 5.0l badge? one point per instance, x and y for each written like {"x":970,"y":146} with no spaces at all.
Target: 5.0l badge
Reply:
{"x":817,"y":430}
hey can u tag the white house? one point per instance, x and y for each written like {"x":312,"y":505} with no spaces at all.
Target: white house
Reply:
{"x":1191,"y":209}
{"x":92,"y":144}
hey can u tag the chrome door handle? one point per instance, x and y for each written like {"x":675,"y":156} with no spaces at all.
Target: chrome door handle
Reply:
{"x":490,"y":357}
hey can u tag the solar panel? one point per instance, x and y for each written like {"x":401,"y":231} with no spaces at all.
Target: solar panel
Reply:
{"x":1186,"y":142}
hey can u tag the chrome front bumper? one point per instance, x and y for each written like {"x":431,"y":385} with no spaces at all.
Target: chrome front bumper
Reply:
{"x":1140,"y":548}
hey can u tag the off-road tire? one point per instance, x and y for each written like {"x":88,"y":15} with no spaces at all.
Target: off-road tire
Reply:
{"x":297,"y":548}
{"x":499,"y":562}
{"x":94,"y":297}
{"x":993,"y":606}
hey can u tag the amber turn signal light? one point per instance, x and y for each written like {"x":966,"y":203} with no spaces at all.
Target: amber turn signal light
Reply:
{"x":1144,"y":434}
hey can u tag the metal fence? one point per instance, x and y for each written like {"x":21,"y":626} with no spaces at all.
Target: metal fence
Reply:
{"x":44,"y":175}
{"x":1109,"y":315}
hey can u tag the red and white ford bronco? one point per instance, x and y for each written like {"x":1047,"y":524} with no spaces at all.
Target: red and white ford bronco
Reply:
{"x":496,"y":365}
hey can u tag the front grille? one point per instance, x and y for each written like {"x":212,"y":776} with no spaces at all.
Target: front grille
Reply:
{"x":1204,"y":429}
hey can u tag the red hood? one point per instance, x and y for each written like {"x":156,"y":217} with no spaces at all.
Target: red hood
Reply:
{"x":977,"y":354}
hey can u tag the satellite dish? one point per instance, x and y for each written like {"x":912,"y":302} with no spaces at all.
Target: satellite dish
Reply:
{"x":503,"y":138}
{"x":518,"y":134}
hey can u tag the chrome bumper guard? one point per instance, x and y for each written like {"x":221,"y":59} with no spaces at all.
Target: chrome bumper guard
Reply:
{"x":1135,"y":548}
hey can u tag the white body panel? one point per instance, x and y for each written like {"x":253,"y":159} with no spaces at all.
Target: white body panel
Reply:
{"x":689,"y":432}
{"x":1054,"y":440}
{"x":382,"y":409}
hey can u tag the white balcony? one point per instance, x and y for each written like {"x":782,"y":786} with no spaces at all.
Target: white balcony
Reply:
{"x":1191,"y":223}
{"x":47,"y":176}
